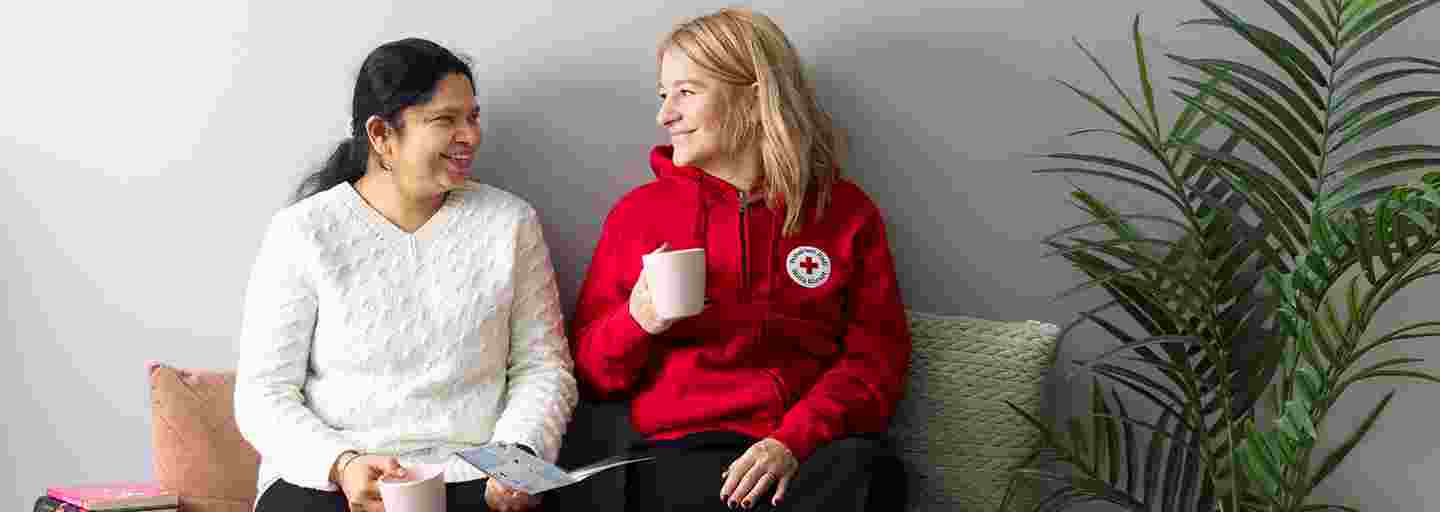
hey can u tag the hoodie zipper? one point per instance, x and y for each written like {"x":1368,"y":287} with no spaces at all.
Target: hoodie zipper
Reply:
{"x":744,"y":252}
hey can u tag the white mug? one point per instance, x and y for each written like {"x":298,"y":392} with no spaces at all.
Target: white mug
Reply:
{"x":677,"y":282}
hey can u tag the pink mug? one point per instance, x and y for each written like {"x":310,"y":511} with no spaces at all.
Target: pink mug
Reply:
{"x":422,"y":489}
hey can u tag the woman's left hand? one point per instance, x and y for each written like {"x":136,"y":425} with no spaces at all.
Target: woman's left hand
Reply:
{"x":766,"y":463}
{"x":502,"y":498}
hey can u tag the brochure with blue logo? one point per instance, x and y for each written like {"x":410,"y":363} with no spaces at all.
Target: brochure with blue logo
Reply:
{"x":518,"y":469}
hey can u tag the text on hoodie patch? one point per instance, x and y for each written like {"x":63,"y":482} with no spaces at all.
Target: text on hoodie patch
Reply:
{"x":808,"y":266}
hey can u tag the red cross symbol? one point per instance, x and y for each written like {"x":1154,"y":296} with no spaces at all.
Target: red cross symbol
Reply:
{"x":809,"y":265}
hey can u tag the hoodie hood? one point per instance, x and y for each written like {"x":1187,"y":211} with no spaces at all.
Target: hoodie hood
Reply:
{"x":662,"y":162}
{"x":709,"y":191}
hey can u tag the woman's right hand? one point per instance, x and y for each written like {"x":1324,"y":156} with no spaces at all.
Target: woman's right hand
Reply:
{"x":359,"y":479}
{"x":642,"y":307}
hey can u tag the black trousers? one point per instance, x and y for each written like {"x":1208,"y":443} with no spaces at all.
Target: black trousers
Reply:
{"x":284,"y":496}
{"x":685,"y":475}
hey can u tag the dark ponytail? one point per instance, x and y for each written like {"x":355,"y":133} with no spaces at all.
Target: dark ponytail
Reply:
{"x":396,"y":75}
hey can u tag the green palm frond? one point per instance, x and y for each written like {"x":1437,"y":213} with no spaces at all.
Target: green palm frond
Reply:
{"x":1166,"y":286}
{"x":1237,"y":292}
{"x":1394,"y":242}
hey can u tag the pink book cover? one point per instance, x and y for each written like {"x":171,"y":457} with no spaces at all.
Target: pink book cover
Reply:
{"x":124,"y":495}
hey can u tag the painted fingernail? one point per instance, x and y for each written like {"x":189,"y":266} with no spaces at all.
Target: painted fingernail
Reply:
{"x":730,"y":504}
{"x":745,"y":504}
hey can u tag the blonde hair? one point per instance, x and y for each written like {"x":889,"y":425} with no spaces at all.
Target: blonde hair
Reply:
{"x":768,"y":101}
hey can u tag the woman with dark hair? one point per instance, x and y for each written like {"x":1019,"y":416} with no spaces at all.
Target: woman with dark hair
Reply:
{"x":398,"y":311}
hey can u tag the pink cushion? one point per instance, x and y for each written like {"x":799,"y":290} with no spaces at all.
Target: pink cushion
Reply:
{"x":198,"y":450}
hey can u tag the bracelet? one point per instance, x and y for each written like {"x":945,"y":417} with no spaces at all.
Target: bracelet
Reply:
{"x":354,"y":454}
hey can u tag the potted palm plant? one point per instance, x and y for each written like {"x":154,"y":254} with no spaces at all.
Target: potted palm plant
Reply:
{"x":1239,"y":334}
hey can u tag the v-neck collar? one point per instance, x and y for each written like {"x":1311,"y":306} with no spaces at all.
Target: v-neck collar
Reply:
{"x":386,"y":229}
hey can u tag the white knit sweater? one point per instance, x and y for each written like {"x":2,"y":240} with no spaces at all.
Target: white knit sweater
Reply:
{"x":357,"y":335}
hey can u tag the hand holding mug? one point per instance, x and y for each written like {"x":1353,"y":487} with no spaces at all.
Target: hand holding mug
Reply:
{"x":358,"y":477}
{"x":642,"y":303}
{"x":671,"y":286}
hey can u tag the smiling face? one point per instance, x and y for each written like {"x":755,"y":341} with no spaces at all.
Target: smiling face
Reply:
{"x":691,"y":111}
{"x":433,"y":153}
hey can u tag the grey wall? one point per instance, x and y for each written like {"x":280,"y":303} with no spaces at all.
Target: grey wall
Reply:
{"x":144,"y":147}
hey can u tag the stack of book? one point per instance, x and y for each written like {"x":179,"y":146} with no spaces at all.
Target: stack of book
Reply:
{"x":116,"y":497}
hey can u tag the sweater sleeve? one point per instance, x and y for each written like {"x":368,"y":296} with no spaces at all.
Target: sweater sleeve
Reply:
{"x":611,"y":349}
{"x":275,"y":339}
{"x":859,"y":392}
{"x":540,"y":392}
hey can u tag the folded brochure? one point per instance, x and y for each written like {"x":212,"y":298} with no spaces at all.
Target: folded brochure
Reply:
{"x":518,"y":469}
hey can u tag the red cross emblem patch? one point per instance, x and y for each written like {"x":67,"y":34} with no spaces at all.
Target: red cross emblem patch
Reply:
{"x":808,"y":266}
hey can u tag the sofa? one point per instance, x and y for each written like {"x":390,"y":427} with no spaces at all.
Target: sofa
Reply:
{"x":953,"y":439}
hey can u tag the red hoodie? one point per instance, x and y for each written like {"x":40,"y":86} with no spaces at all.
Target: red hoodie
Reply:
{"x":805,"y":339}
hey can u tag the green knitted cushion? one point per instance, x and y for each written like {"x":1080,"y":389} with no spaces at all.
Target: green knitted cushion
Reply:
{"x":956,"y":435}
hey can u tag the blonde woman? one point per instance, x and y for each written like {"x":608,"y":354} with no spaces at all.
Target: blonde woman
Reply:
{"x":803,"y":347}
